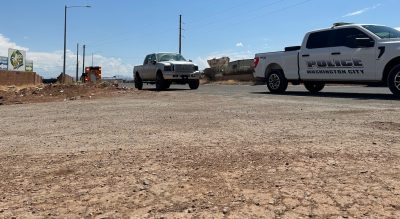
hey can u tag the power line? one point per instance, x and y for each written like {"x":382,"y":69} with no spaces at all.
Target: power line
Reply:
{"x":256,"y":16}
{"x":165,"y":29}
{"x":230,"y":17}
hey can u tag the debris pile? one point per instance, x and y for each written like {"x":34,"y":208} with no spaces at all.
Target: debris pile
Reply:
{"x":56,"y":92}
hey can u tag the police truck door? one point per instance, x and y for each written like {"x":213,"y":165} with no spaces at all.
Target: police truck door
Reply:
{"x":357,"y":54}
{"x":313,"y":56}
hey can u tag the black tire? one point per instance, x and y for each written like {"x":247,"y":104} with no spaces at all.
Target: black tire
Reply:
{"x":314,"y":87}
{"x":194,"y":84}
{"x":160,"y":82}
{"x":394,"y":80}
{"x":167,"y":85}
{"x":138,"y":82}
{"x":276,"y":82}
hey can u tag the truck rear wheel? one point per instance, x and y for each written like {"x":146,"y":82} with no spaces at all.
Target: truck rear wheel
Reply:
{"x":138,"y":82}
{"x":394,"y":80}
{"x":194,"y":84}
{"x":314,"y":87}
{"x":276,"y":82}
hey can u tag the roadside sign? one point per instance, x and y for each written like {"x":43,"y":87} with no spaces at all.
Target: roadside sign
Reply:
{"x":3,"y":63}
{"x":29,"y":65}
{"x":16,"y":60}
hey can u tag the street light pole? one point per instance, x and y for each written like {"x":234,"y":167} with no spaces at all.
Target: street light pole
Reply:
{"x":180,"y":34}
{"x":65,"y":42}
{"x":65,"y":35}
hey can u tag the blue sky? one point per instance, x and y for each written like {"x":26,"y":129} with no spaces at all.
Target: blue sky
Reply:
{"x":121,"y":32}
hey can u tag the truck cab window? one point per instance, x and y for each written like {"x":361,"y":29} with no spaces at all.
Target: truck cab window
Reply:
{"x":153,"y":58}
{"x":319,"y":40}
{"x":146,"y":60}
{"x":347,"y":37}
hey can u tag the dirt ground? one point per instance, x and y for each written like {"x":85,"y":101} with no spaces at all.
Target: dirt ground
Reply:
{"x":188,"y":154}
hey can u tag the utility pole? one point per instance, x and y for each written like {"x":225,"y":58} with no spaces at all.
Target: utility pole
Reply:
{"x":83,"y":66}
{"x":92,"y":59}
{"x":65,"y":36}
{"x":180,"y":34}
{"x":77,"y":62}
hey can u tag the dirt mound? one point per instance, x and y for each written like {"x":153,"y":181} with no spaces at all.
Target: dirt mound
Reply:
{"x":56,"y":92}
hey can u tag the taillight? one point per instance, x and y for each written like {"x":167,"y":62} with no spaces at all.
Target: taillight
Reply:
{"x":256,"y":61}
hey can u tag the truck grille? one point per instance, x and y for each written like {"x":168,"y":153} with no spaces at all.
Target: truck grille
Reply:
{"x":184,"y":68}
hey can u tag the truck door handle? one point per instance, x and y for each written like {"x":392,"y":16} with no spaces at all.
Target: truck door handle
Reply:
{"x":336,"y":53}
{"x":306,"y":55}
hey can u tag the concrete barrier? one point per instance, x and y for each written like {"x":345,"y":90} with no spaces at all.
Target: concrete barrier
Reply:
{"x":19,"y":78}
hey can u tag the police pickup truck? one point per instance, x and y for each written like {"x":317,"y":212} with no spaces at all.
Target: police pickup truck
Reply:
{"x":162,"y":69}
{"x":345,"y":53}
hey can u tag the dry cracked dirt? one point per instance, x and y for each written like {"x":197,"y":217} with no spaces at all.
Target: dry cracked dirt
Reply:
{"x":188,"y":154}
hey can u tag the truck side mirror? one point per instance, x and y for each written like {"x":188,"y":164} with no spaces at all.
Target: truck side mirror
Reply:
{"x":364,"y":42}
{"x":154,"y":62}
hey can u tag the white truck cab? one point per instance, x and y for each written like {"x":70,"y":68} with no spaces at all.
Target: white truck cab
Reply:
{"x":344,"y":53}
{"x":163,"y":69}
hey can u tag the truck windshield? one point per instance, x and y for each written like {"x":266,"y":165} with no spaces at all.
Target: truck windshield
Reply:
{"x":164,"y":57}
{"x":383,"y":32}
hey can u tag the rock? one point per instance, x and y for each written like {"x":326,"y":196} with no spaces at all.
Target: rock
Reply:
{"x":146,"y":183}
{"x":225,"y":210}
{"x":332,"y":163}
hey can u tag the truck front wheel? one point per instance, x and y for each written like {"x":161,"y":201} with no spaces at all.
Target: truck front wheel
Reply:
{"x":314,"y":87}
{"x":394,"y":80}
{"x":167,"y":84}
{"x":160,"y":82}
{"x":276,"y":82}
{"x":194,"y":84}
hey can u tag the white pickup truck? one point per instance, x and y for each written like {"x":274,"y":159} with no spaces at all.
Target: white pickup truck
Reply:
{"x":163,"y":69}
{"x":345,"y":53}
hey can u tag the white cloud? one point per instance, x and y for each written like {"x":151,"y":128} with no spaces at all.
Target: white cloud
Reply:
{"x":362,"y":11}
{"x":5,"y":44}
{"x":397,"y":28}
{"x":240,"y":44}
{"x":202,"y":61}
{"x":50,"y":64}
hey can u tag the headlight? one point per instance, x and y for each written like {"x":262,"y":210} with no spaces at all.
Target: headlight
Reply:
{"x":168,"y":68}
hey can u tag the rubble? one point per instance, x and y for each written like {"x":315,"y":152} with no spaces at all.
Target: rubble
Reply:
{"x":58,"y":92}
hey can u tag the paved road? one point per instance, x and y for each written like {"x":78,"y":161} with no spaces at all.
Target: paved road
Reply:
{"x":336,"y":91}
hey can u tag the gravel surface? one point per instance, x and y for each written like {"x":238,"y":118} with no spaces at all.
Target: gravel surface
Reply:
{"x":199,"y":154}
